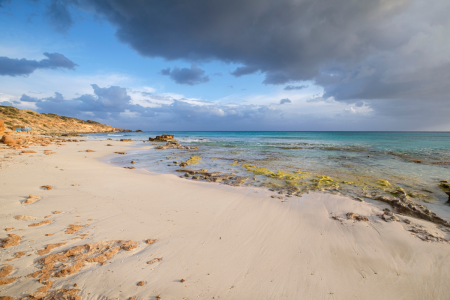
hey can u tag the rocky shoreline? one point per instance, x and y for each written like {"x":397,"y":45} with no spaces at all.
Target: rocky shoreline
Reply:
{"x":296,"y":183}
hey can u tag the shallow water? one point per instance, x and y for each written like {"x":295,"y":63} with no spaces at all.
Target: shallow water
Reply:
{"x":352,"y":156}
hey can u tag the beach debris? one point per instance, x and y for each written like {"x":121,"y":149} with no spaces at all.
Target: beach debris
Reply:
{"x":131,"y":168}
{"x":338,"y":218}
{"x":423,"y":234}
{"x":41,"y":223}
{"x":11,"y":240}
{"x":56,"y":212}
{"x":389,"y":216}
{"x":32,"y":199}
{"x":49,"y":248}
{"x":159,"y":259}
{"x":9,"y":229}
{"x":17,"y":255}
{"x":141,"y":283}
{"x":47,"y":187}
{"x":353,"y":216}
{"x":28,"y":151}
{"x":182,"y":280}
{"x":90,"y":150}
{"x":74,"y":228}
{"x":108,"y":145}
{"x":123,"y":153}
{"x":71,"y":261}
{"x":5,"y":271}
{"x":24,"y":217}
{"x":150,"y":241}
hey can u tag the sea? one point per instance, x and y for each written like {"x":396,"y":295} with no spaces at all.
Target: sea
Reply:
{"x":414,"y":161}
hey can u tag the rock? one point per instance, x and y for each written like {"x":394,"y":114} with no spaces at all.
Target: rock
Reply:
{"x":6,"y":139}
{"x":123,"y":153}
{"x":47,"y":187}
{"x":161,"y":138}
{"x":108,"y":145}
{"x":140,"y":283}
{"x":133,"y":162}
{"x":139,"y":130}
{"x":131,"y":168}
{"x":28,"y":151}
{"x":2,"y":125}
{"x":126,"y":140}
{"x":183,"y":164}
{"x":90,"y":150}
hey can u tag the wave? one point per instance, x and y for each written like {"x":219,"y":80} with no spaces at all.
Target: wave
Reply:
{"x":115,"y":134}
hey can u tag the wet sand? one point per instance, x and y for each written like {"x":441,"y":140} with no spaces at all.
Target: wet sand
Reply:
{"x":212,"y":241}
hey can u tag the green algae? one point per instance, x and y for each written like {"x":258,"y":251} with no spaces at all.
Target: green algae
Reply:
{"x":383,"y":182}
{"x":445,"y":186}
{"x":193,"y":160}
{"x":279,"y":174}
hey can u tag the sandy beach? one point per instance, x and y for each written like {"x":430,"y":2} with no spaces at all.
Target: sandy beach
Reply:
{"x":156,"y":236}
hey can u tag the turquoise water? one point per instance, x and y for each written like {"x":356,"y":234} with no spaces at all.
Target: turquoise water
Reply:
{"x":352,"y":156}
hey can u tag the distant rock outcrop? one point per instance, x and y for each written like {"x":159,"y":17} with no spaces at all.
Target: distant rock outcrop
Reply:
{"x":162,"y":138}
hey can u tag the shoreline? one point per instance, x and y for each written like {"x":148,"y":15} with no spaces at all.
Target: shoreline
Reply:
{"x":227,"y":242}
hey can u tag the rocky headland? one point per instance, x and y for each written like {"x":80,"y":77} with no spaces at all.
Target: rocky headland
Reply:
{"x":49,"y":124}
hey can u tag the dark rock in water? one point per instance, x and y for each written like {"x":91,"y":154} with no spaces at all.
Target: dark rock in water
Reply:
{"x":203,"y":172}
{"x":161,"y":138}
{"x":139,"y":130}
{"x":448,"y":194}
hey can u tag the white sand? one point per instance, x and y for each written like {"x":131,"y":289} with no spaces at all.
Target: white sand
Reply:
{"x":227,"y":243}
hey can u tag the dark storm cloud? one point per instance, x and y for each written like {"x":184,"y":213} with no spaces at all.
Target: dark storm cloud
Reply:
{"x":286,"y":100}
{"x":59,"y":16}
{"x":294,"y":87}
{"x":354,"y":49}
{"x":189,"y":76}
{"x":240,"y":71}
{"x":24,"y":67}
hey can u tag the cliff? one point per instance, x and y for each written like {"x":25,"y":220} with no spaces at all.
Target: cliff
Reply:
{"x":49,"y":123}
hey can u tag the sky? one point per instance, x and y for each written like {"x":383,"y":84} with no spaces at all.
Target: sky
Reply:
{"x":239,"y":65}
